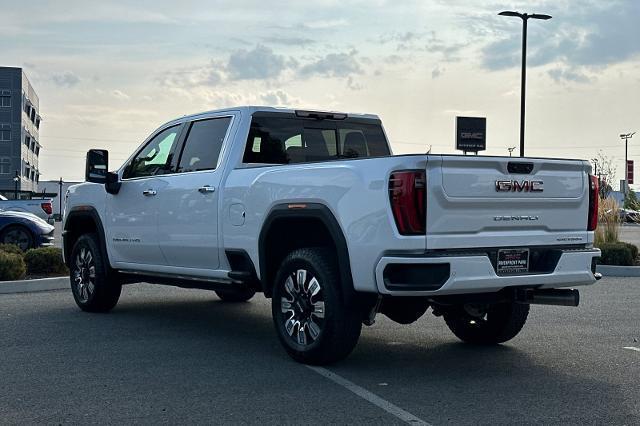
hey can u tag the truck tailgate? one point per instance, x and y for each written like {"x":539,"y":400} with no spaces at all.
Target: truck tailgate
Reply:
{"x":475,"y":202}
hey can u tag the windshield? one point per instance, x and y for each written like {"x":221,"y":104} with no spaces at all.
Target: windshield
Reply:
{"x":289,"y":140}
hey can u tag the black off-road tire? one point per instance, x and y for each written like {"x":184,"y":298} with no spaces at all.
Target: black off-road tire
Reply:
{"x":337,"y":323}
{"x":502,"y":322}
{"x":236,"y":295}
{"x":94,"y":288}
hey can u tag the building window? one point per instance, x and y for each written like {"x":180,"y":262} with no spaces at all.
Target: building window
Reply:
{"x":33,"y":145}
{"x":33,"y":174}
{"x":5,"y":132}
{"x":33,"y":114}
{"x":27,"y":140}
{"x":5,"y":98}
{"x":38,"y":118}
{"x":5,"y":165}
{"x":37,"y":149}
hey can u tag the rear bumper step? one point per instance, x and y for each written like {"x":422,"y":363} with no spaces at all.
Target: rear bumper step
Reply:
{"x":460,"y":274}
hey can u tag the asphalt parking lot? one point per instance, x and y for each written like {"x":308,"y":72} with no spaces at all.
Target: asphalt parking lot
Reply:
{"x":168,"y":355}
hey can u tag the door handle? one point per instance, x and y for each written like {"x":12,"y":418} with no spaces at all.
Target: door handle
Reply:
{"x":149,"y":192}
{"x":206,"y":189}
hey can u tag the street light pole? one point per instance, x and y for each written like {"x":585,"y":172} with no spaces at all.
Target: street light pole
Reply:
{"x":60,"y":183}
{"x":16,"y":179}
{"x":626,"y":137}
{"x":523,"y":76}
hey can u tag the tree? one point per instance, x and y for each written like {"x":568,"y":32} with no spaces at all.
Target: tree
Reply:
{"x":604,"y":169}
{"x":631,"y":201}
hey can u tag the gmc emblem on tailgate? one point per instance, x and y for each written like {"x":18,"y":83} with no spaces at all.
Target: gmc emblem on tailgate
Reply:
{"x":519,"y":186}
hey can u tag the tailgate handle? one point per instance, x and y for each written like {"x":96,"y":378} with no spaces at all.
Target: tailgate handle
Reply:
{"x":519,"y":168}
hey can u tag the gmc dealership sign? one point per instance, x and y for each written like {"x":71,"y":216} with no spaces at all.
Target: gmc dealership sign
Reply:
{"x":471,"y":134}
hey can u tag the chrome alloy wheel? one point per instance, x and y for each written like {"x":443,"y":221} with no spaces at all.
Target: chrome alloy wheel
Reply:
{"x":302,"y":307}
{"x":84,"y":274}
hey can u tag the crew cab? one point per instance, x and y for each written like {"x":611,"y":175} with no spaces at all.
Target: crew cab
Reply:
{"x":312,"y":209}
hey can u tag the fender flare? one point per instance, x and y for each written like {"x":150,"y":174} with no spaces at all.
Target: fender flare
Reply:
{"x":84,"y":212}
{"x":315,"y":211}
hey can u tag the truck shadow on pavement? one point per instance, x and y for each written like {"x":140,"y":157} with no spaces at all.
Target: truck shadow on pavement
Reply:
{"x":414,"y":366}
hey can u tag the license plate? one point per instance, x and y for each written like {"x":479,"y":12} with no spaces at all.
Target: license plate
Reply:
{"x":512,"y":261}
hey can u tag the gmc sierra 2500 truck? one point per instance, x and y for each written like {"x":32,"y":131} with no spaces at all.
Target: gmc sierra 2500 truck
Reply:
{"x":313,"y":210}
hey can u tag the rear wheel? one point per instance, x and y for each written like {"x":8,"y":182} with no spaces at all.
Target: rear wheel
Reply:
{"x":93,"y":289}
{"x":236,"y":295}
{"x":312,"y":319}
{"x":486,"y":324}
{"x":18,"y":235}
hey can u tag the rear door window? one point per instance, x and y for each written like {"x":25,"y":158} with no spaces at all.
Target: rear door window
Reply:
{"x":203,"y":144}
{"x":290,"y":140}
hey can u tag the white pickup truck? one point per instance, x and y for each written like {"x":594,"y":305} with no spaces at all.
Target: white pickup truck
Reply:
{"x":39,"y":207}
{"x":312,"y":209}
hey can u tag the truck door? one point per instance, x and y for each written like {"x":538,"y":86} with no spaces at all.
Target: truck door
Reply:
{"x":188,"y":218}
{"x":132,"y":214}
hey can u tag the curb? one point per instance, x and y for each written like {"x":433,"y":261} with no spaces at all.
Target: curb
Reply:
{"x":39,"y":284}
{"x":618,"y":271}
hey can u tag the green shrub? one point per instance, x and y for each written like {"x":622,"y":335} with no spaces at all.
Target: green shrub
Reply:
{"x":12,"y":266}
{"x":634,"y":250}
{"x":11,"y":248}
{"x":620,"y":254}
{"x":45,"y":261}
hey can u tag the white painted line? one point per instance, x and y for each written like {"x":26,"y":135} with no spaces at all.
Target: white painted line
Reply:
{"x":631,"y":348}
{"x":390,"y":408}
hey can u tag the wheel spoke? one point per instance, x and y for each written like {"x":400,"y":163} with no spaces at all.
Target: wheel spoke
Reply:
{"x":90,"y":288}
{"x":318,"y":309}
{"x":289,"y":287}
{"x":301,"y":278}
{"x":302,"y":336}
{"x":92,"y":272}
{"x":285,"y":305}
{"x":290,"y":325}
{"x":89,"y":258}
{"x":314,"y":329}
{"x":314,"y":286}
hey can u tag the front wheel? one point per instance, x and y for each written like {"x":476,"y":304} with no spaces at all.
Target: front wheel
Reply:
{"x":93,"y":289}
{"x":313,"y":321}
{"x":486,"y":324}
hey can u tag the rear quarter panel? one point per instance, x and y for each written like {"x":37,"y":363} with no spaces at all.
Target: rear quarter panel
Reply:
{"x":356,"y":192}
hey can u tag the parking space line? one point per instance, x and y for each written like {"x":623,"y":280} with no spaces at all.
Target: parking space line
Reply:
{"x":632,"y":348}
{"x":374,"y":399}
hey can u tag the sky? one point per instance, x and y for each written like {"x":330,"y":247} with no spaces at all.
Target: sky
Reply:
{"x":110,"y":72}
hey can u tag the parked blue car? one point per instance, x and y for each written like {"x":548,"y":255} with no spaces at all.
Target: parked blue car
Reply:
{"x":25,"y":230}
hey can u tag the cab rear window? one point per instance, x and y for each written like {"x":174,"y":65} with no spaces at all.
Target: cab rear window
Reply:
{"x":290,"y":140}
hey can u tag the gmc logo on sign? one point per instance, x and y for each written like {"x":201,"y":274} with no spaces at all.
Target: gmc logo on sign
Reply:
{"x":519,"y":186}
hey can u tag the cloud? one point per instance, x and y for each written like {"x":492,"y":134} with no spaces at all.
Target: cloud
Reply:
{"x":290,"y":41}
{"x":594,"y":37}
{"x":65,"y":79}
{"x":568,"y":74}
{"x":278,"y":98}
{"x":259,"y":63}
{"x":333,"y":65}
{"x":120,"y":95}
{"x":436,"y":72}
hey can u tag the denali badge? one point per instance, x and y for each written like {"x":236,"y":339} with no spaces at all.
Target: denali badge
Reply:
{"x":515,"y":218}
{"x":519,"y":186}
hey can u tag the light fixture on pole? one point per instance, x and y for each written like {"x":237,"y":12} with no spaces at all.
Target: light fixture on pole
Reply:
{"x":525,"y":17}
{"x":510,"y":149}
{"x":16,"y":179}
{"x":626,"y":137}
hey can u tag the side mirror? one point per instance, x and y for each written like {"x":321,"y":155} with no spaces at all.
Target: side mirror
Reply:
{"x":97,"y":166}
{"x":113,"y":184}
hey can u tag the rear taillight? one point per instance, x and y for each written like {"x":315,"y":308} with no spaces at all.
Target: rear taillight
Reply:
{"x":47,"y":208}
{"x":408,"y":196}
{"x":592,"y":221}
